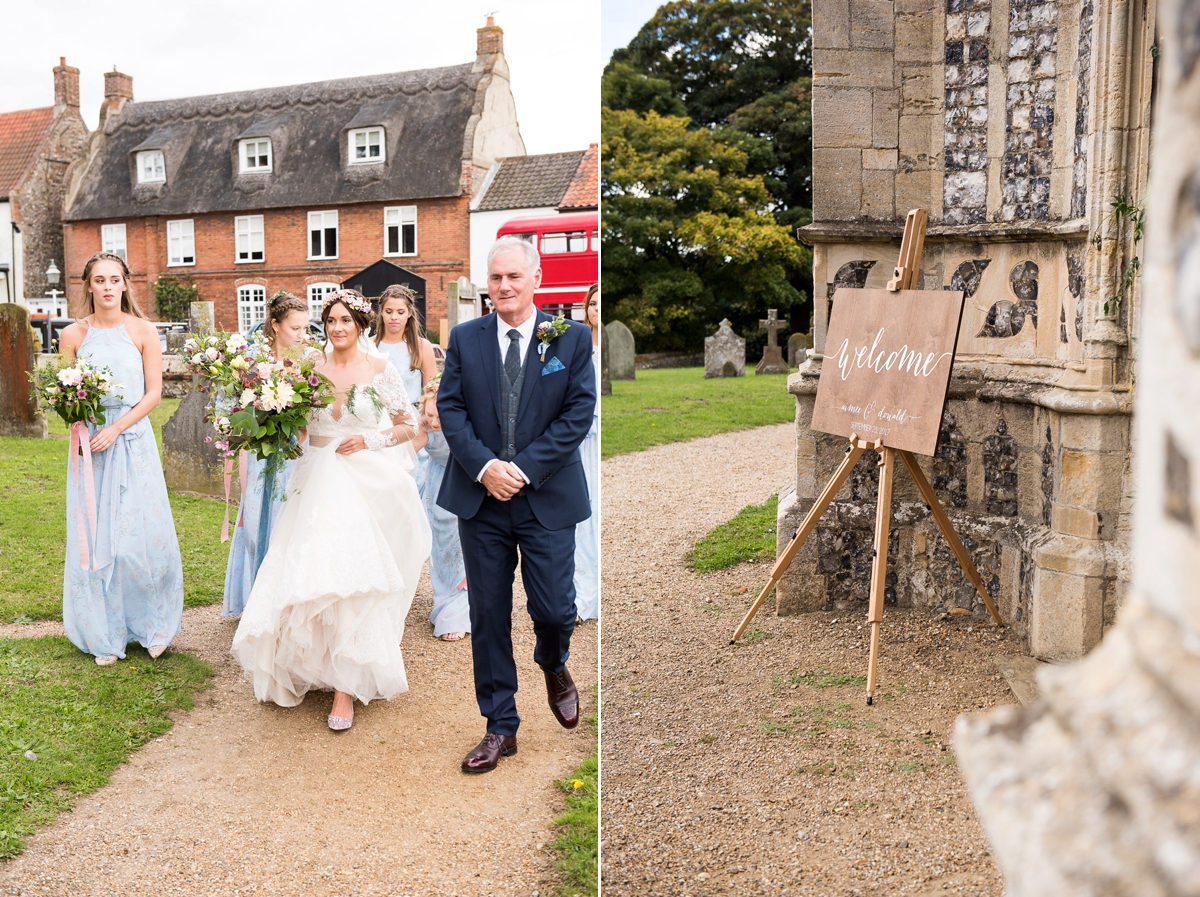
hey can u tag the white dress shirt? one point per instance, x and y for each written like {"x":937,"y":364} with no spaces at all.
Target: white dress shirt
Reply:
{"x":525,"y":329}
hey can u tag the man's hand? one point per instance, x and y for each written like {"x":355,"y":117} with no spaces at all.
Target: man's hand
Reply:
{"x":501,"y":481}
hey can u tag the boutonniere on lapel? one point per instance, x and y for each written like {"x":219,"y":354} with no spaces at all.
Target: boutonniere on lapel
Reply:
{"x":547,"y":332}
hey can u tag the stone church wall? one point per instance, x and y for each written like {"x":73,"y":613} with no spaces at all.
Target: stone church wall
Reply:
{"x":986,"y":113}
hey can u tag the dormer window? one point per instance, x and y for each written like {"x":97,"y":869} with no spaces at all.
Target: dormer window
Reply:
{"x":255,"y":156}
{"x":366,"y":145}
{"x":150,"y":167}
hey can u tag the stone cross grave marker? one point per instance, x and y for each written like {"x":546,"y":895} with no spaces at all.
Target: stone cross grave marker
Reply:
{"x":190,"y":463}
{"x":19,"y":415}
{"x":724,"y":353}
{"x":772,"y":360}
{"x":620,"y":351}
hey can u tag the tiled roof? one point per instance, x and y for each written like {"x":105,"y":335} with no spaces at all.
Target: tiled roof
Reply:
{"x":584,"y":192}
{"x":21,"y":135}
{"x":527,"y":182}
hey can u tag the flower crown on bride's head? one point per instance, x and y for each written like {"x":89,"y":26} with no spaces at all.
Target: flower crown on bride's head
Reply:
{"x":350,"y":298}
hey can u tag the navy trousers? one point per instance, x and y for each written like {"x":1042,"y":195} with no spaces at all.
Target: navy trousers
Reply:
{"x":490,"y":542}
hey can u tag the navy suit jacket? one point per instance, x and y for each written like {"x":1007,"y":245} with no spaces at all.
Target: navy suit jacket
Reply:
{"x":553,"y":417}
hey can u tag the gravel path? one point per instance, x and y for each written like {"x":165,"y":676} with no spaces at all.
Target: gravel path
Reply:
{"x":726,"y":770}
{"x":248,"y":798}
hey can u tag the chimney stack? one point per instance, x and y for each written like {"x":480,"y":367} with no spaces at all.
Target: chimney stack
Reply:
{"x":66,"y":87}
{"x":118,"y":88}
{"x":489,"y":39}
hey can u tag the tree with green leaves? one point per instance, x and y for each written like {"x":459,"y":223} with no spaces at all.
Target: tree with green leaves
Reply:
{"x":708,"y":104}
{"x":173,"y":296}
{"x":689,"y":237}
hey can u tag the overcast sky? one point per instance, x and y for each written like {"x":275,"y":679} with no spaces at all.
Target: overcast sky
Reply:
{"x":621,"y":21}
{"x":188,"y":48}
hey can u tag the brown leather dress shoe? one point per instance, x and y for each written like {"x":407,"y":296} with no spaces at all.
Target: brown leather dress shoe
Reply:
{"x":564,"y":699}
{"x":489,"y":751}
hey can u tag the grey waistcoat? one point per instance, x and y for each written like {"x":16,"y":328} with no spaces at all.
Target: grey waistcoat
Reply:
{"x":510,"y":401}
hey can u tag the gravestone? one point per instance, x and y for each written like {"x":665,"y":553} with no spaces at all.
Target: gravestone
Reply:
{"x":772,"y":360}
{"x":620,"y":351}
{"x":190,"y":463}
{"x":724,"y":353}
{"x":605,"y":380}
{"x":19,"y":415}
{"x":798,"y":344}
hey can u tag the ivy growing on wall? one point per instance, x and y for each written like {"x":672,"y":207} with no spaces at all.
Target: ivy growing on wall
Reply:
{"x":174,"y":295}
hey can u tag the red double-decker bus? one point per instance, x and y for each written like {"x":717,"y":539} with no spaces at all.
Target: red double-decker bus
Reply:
{"x":569,"y":245}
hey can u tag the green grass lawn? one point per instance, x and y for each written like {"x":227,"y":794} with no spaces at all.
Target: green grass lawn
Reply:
{"x":578,"y":828}
{"x":748,"y":536}
{"x":673,"y":404}
{"x":33,"y":480}
{"x":66,"y":724}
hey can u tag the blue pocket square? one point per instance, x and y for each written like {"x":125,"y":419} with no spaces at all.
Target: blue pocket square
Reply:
{"x":553,"y":365}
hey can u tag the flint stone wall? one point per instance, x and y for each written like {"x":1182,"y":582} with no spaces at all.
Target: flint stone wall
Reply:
{"x":1094,"y":790}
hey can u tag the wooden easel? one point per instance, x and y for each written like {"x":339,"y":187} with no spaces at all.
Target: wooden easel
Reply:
{"x":903,"y":278}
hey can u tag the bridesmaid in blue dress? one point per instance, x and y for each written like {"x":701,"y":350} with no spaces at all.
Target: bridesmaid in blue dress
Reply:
{"x":285,"y":328}
{"x":587,"y":534}
{"x":400,"y":336}
{"x":451,"y":615}
{"x":133,"y":591}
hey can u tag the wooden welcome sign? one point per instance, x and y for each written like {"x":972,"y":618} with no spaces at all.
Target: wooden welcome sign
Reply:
{"x":887,"y":366}
{"x":884,"y":377}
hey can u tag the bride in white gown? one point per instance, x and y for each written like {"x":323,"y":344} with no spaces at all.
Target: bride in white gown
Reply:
{"x":328,"y":606}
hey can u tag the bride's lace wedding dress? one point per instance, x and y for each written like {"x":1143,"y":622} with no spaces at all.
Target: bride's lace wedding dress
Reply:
{"x":328,"y":605}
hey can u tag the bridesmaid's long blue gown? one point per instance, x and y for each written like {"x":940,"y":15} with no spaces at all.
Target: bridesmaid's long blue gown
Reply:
{"x":587,"y":534}
{"x":252,"y":535}
{"x":451,"y":611}
{"x":136,"y":592}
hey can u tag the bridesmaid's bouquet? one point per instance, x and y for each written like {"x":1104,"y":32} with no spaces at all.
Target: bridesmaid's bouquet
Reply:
{"x":75,"y":391}
{"x":262,"y":401}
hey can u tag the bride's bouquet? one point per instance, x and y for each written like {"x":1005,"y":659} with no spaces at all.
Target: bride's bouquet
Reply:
{"x":75,"y":391}
{"x":262,"y":401}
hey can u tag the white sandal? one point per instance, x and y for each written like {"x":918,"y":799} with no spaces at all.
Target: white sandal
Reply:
{"x":156,"y":651}
{"x":106,"y":660}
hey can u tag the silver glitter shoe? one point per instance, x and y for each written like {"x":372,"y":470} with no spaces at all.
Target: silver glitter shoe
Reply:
{"x":106,"y":660}
{"x":340,"y":723}
{"x":156,"y":651}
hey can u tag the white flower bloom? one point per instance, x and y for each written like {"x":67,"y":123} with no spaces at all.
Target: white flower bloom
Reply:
{"x":247,"y":398}
{"x":70,"y":376}
{"x":212,"y":340}
{"x":198,"y":358}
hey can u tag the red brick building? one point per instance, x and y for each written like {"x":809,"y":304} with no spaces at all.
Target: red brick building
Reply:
{"x":295,"y":188}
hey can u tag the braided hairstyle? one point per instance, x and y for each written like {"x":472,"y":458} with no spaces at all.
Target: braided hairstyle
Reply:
{"x":282,"y":304}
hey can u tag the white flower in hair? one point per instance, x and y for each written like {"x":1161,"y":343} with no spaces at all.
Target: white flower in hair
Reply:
{"x":352,"y":300}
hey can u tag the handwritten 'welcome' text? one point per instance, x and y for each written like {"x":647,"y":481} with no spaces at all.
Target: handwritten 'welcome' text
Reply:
{"x":904,"y":359}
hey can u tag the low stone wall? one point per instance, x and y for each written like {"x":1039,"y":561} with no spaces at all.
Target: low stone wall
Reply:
{"x":668,"y":360}
{"x":1037,"y":494}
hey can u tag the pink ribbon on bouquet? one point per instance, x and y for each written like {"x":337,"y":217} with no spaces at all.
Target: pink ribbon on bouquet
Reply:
{"x":243,"y":463}
{"x":81,"y":443}
{"x":241,"y":496}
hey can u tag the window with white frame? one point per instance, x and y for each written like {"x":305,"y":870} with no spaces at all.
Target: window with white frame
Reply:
{"x":366,"y":145}
{"x":400,"y":230}
{"x":181,"y":243}
{"x":112,"y":239}
{"x":316,"y":297}
{"x":255,"y":155}
{"x":252,"y":306}
{"x":150,"y":167}
{"x":595,"y":241}
{"x":249,"y":231}
{"x":323,"y":235}
{"x":574,"y":241}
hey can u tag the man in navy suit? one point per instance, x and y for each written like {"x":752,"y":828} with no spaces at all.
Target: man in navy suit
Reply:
{"x":515,"y":406}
